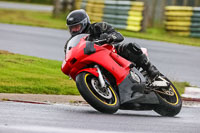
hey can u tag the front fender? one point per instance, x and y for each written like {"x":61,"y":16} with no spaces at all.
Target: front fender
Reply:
{"x":90,"y":70}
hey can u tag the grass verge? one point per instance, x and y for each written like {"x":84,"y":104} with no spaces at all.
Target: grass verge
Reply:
{"x":32,"y":18}
{"x":45,"y":19}
{"x":26,"y":74}
{"x":181,"y":86}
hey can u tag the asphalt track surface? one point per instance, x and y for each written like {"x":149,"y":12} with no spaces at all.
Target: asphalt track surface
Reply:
{"x":178,"y":62}
{"x":64,"y":118}
{"x":23,"y":6}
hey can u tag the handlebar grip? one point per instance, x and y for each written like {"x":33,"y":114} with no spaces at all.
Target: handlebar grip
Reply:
{"x":101,"y":41}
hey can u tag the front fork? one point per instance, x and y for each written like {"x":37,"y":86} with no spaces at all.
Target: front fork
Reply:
{"x":101,"y":80}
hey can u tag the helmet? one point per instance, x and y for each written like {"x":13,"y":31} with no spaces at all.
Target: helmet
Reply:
{"x":78,"y":21}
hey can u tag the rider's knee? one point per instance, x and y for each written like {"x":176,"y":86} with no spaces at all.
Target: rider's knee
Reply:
{"x":134,"y":48}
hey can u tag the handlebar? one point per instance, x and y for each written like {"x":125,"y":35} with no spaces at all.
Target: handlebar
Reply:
{"x":100,"y":41}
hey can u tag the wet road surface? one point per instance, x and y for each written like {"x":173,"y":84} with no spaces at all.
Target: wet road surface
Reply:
{"x":60,"y":118}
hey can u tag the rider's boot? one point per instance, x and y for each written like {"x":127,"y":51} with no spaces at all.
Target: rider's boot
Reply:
{"x":146,"y":65}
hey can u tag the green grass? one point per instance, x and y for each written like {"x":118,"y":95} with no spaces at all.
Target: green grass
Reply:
{"x":32,"y":18}
{"x":26,"y":74}
{"x":45,"y":19}
{"x":181,"y":86}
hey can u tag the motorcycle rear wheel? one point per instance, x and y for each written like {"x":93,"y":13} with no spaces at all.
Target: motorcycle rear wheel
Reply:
{"x":105,"y":100}
{"x":169,"y":105}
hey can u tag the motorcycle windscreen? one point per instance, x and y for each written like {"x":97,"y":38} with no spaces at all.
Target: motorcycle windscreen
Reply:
{"x":73,"y":42}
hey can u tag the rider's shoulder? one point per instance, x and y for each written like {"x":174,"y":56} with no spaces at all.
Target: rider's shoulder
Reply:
{"x":104,"y":25}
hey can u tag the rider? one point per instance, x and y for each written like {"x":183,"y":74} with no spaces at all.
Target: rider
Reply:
{"x":78,"y":22}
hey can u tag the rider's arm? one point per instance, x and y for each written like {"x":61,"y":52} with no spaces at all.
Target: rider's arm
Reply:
{"x":115,"y":37}
{"x":98,"y":29}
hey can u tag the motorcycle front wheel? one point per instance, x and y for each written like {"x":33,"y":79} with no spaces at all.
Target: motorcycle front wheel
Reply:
{"x":170,"y":100}
{"x":105,"y":100}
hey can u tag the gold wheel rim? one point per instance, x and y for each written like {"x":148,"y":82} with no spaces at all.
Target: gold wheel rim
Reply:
{"x":115,"y":97}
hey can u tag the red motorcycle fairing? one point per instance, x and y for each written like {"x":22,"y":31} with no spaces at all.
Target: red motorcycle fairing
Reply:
{"x":90,"y":70}
{"x":76,"y":61}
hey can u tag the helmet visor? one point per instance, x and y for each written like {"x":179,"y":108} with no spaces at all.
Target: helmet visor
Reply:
{"x":78,"y":27}
{"x":75,"y":28}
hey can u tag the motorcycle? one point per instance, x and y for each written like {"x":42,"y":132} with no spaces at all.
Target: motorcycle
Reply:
{"x":107,"y":81}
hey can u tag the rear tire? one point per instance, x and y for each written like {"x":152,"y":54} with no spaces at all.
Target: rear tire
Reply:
{"x":106,"y":101}
{"x":169,"y":105}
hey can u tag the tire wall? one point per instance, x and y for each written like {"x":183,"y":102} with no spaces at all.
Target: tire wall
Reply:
{"x":127,"y":15}
{"x":183,"y":20}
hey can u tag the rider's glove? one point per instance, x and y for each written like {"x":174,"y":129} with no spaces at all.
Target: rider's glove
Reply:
{"x":109,"y":38}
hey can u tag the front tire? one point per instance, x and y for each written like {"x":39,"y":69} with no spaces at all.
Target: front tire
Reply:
{"x":171,"y":104}
{"x":105,"y":100}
